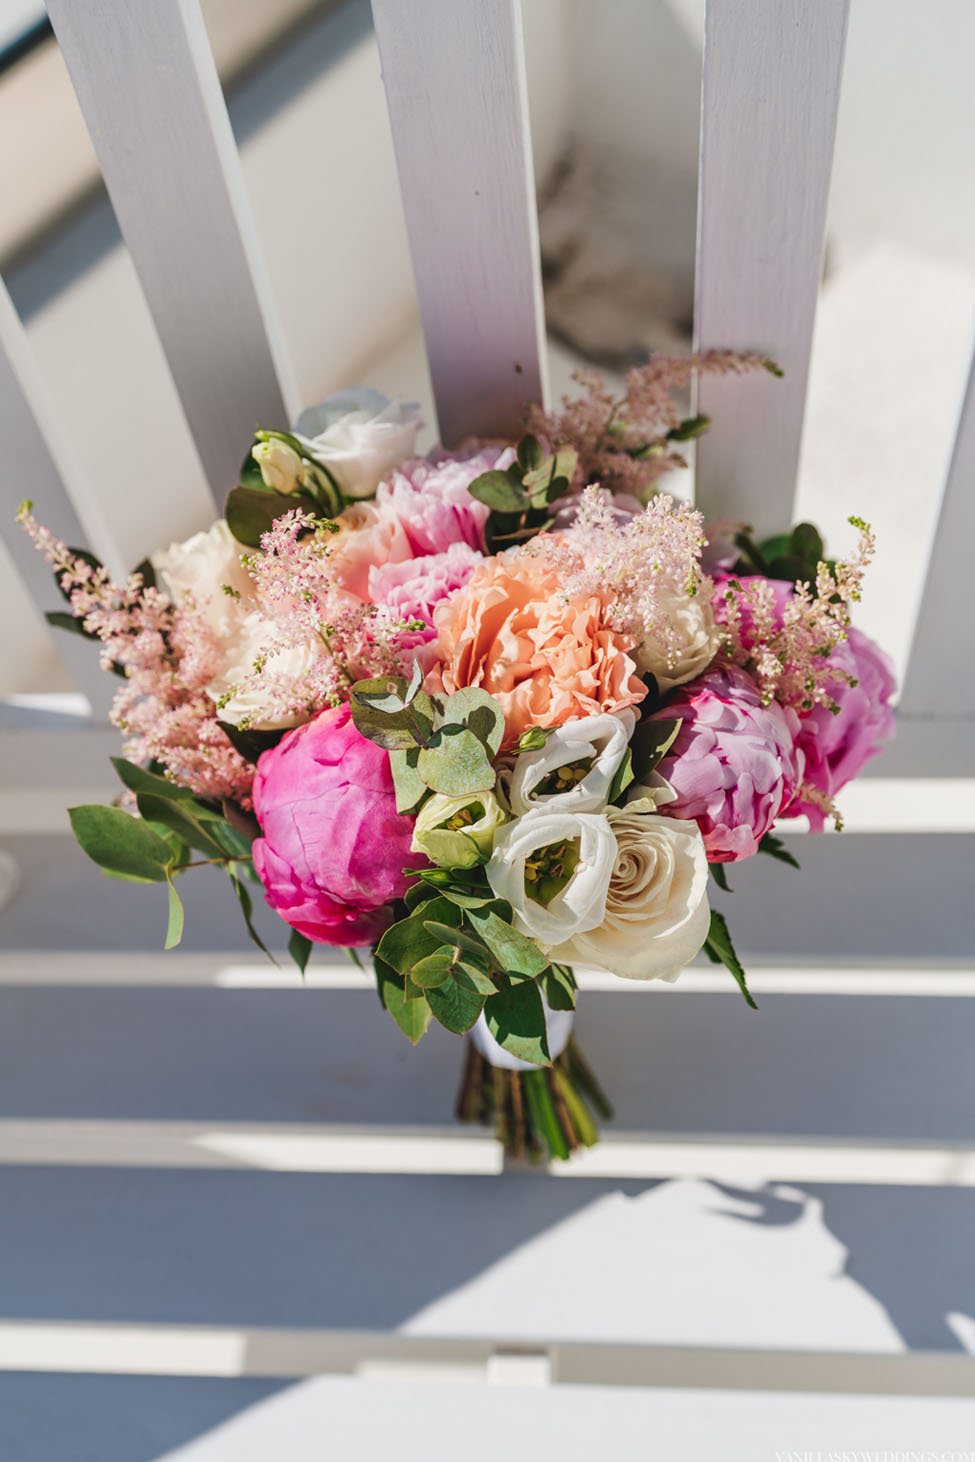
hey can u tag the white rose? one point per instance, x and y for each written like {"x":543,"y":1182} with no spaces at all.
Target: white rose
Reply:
{"x":657,"y":915}
{"x":359,"y":436}
{"x":201,"y":567}
{"x":280,"y":465}
{"x":554,"y":869}
{"x":698,"y":639}
{"x":575,"y":768}
{"x":247,"y":696}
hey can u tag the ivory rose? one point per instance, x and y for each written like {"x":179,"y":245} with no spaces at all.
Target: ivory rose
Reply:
{"x":588,"y":752}
{"x":200,"y":568}
{"x":554,"y":869}
{"x":252,"y":641}
{"x":358,"y":436}
{"x":695,"y":638}
{"x":546,"y":658}
{"x":657,"y":915}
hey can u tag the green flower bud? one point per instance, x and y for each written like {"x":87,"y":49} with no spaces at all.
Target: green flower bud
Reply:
{"x":457,"y":832}
{"x":281,"y":467}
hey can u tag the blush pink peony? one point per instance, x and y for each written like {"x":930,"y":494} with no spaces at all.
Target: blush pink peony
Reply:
{"x":735,"y":764}
{"x":333,"y":850}
{"x":430,"y":498}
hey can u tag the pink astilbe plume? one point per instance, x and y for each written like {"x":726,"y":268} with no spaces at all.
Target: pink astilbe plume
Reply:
{"x":345,"y":638}
{"x":623,"y":441}
{"x":168,"y":656}
{"x":784,"y":634}
{"x":636,"y":564}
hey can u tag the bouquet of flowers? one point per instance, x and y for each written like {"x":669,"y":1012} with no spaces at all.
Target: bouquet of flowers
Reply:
{"x":492,"y":714}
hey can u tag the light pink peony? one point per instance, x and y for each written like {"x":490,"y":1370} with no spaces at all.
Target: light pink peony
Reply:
{"x":413,"y":590}
{"x":431,"y":500}
{"x":734,"y":765}
{"x":838,"y":746}
{"x":334,"y":847}
{"x":369,"y":536}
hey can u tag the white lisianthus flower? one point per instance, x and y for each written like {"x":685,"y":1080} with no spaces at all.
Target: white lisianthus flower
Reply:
{"x":280,"y":465}
{"x":657,"y":915}
{"x":359,"y":436}
{"x":247,"y":698}
{"x":202,"y":567}
{"x":553,"y":868}
{"x":649,"y":795}
{"x":575,"y":768}
{"x":456,"y":832}
{"x":698,"y":639}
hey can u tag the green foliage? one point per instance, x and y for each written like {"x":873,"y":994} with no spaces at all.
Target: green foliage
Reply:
{"x":622,"y":777}
{"x":456,"y":1006}
{"x":249,"y":743}
{"x":650,"y":743}
{"x":174,"y":928}
{"x":794,"y":556}
{"x":559,"y":986}
{"x":518,"y":956}
{"x":516,"y":1019}
{"x":775,"y":848}
{"x":720,"y":876}
{"x":720,"y":950}
{"x":120,"y":843}
{"x":520,"y":497}
{"x":299,"y":949}
{"x":412,"y":1016}
{"x":690,"y":427}
{"x":251,"y":511}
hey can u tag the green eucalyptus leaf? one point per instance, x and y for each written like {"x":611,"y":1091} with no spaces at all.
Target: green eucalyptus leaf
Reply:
{"x":789,"y":568}
{"x":516,"y":1019}
{"x":650,"y":743}
{"x":251,"y":512}
{"x":299,"y":949}
{"x":455,"y":1006}
{"x":622,"y":777}
{"x":529,"y":453}
{"x":412,"y":1016}
{"x":434,"y":970}
{"x":471,"y":977}
{"x":558,"y":983}
{"x":690,"y":427}
{"x":410,"y":786}
{"x":480,"y":713}
{"x":806,"y":543}
{"x":498,"y":492}
{"x":457,"y":937}
{"x":250,"y":743}
{"x":120,"y":843}
{"x":408,"y":941}
{"x":174,"y":927}
{"x":517,"y":955}
{"x":456,"y":763}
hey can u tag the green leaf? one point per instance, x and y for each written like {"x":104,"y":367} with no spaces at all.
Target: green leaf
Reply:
{"x":480,"y":713}
{"x":720,"y":950}
{"x":180,"y":821}
{"x":622,"y":777}
{"x":806,"y":544}
{"x":412,"y":1016}
{"x":247,"y":909}
{"x":529,"y":452}
{"x":251,"y":511}
{"x":382,"y":713}
{"x":139,"y":780}
{"x":465,"y":900}
{"x":516,"y":1019}
{"x":120,"y":843}
{"x":497,"y":490}
{"x":691,"y":426}
{"x":459,"y":938}
{"x":751,"y":553}
{"x":86,"y":557}
{"x":472,"y":977}
{"x":299,"y":949}
{"x":517,"y":956}
{"x":434,"y":970}
{"x":455,"y":763}
{"x":720,"y":877}
{"x":174,"y":929}
{"x":58,"y":619}
{"x":650,"y":743}
{"x":410,"y":786}
{"x":455,"y":1006}
{"x":250,"y":743}
{"x":407,"y":941}
{"x":789,"y":568}
{"x":558,"y":983}
{"x":418,"y":894}
{"x":775,"y":547}
{"x":775,"y":848}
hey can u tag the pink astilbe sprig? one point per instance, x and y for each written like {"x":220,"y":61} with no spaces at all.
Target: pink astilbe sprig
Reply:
{"x":623,"y":441}
{"x":784,"y":634}
{"x":339,"y":638}
{"x":167,"y":654}
{"x":643,"y":567}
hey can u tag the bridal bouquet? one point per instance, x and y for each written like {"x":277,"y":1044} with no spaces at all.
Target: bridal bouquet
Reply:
{"x":492,"y":714}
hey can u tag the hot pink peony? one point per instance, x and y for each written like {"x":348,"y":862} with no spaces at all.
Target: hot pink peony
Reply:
{"x":734,"y":765}
{"x":838,"y":746}
{"x":334,"y":847}
{"x":431,"y":500}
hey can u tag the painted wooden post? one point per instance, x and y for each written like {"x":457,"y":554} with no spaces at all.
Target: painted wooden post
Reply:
{"x":456,"y":88}
{"x":37,"y":465}
{"x":945,"y":629}
{"x":146,"y":81}
{"x":768,"y":120}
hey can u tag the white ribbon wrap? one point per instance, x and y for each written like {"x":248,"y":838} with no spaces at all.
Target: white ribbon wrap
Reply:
{"x":558,"y":1024}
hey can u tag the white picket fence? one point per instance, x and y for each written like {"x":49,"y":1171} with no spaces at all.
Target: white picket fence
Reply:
{"x":455,"y":80}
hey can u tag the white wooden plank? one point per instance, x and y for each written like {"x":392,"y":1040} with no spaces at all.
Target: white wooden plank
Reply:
{"x":769,"y":98}
{"x":38,"y":465}
{"x":944,"y":635}
{"x":456,"y":88}
{"x":146,"y":81}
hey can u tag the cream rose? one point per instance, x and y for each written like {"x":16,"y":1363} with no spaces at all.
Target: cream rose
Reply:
{"x":201,"y":567}
{"x":574,"y":770}
{"x":656,"y":913}
{"x":359,"y":436}
{"x":698,"y":639}
{"x":247,"y":695}
{"x":455,"y":832}
{"x":281,"y":467}
{"x":554,"y":869}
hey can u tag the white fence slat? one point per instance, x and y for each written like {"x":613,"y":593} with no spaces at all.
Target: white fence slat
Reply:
{"x":770,"y":91}
{"x":37,"y":465}
{"x":147,"y":84}
{"x":456,"y":88}
{"x":945,"y":626}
